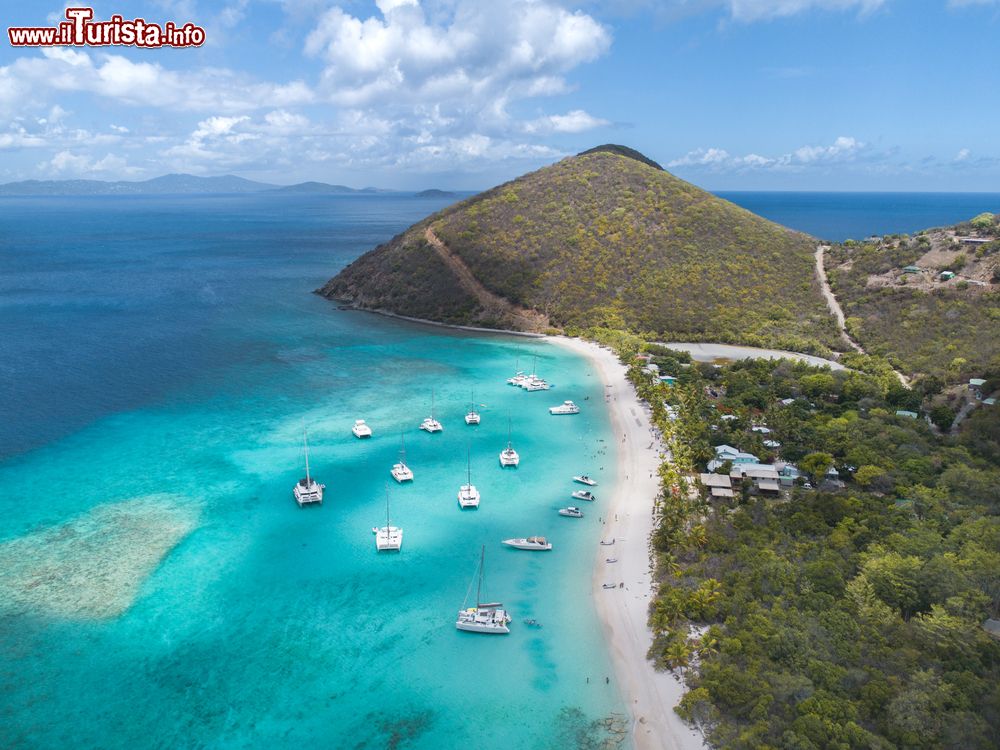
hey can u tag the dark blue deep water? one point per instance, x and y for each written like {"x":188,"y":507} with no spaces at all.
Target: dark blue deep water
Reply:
{"x":842,"y":216}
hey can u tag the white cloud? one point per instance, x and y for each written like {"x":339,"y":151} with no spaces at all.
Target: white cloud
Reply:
{"x":962,"y":155}
{"x":843,"y":149}
{"x":576,"y":121}
{"x":755,"y":10}
{"x":67,"y":164}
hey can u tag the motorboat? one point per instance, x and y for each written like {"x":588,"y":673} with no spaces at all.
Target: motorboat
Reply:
{"x":584,"y":495}
{"x":571,"y":512}
{"x":360,"y":429}
{"x":491,"y":618}
{"x":566,"y":407}
{"x":584,"y":479}
{"x":536,"y":543}
{"x":307,"y":490}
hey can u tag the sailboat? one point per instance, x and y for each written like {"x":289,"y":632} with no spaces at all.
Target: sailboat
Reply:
{"x":489,"y":618}
{"x":533,"y":382}
{"x":400,"y":471}
{"x":508,"y":456}
{"x":519,"y":375}
{"x":473,"y":416}
{"x":388,"y":538}
{"x":468,"y":495}
{"x":430,"y":424}
{"x":308,"y":490}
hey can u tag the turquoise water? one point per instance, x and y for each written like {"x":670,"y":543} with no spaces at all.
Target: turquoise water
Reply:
{"x":161,"y":587}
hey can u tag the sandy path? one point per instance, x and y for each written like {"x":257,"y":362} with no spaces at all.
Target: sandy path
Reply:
{"x":628,"y":508}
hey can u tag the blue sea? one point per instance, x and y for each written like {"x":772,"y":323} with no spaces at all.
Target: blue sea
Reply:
{"x":159,"y":359}
{"x":159,"y":587}
{"x":841,"y":216}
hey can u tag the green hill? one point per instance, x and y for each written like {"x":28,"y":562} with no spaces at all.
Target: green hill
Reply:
{"x":930,"y":302}
{"x":606,"y":237}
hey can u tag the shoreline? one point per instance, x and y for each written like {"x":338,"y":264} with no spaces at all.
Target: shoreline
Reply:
{"x":650,"y":695}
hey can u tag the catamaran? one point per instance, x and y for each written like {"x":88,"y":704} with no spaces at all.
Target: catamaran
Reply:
{"x":489,"y":618}
{"x":430,"y":424}
{"x":519,"y":375}
{"x":536,"y":543}
{"x":468,"y":495}
{"x":532,"y":382}
{"x":508,"y":456}
{"x":360,"y":429}
{"x":388,"y":537}
{"x":308,"y":490}
{"x":566,"y":407}
{"x":400,"y":471}
{"x":473,"y":416}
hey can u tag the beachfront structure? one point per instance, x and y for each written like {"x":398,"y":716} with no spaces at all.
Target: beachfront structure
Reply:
{"x":725,"y":453}
{"x":719,"y":485}
{"x":764,"y":476}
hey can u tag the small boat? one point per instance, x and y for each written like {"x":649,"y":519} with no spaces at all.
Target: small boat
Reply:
{"x":489,"y":618}
{"x":430,"y":424}
{"x":611,"y":560}
{"x":473,"y":416}
{"x":571,"y":512}
{"x":584,"y":495}
{"x":584,"y":479}
{"x":532,"y":622}
{"x":609,"y":586}
{"x":607,"y":544}
{"x":537,"y":543}
{"x":388,"y":537}
{"x":468,"y":495}
{"x":400,"y":471}
{"x":360,"y":429}
{"x":566,"y":407}
{"x":508,"y":456}
{"x":307,"y":490}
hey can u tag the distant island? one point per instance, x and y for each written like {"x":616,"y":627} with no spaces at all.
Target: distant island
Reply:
{"x":435,"y":193}
{"x":171,"y":184}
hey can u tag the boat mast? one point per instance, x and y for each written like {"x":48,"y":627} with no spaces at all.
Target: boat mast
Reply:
{"x":305,"y":440}
{"x":508,"y":432}
{"x":469,"y":467}
{"x":402,"y":451}
{"x":432,"y":403}
{"x":387,"y":508}
{"x":479,"y":586}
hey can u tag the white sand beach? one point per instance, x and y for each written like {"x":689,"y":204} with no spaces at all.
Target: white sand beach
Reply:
{"x":628,"y":517}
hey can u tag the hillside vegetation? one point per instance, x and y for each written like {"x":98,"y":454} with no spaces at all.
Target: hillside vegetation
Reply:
{"x":938,"y":318}
{"x":603,"y":238}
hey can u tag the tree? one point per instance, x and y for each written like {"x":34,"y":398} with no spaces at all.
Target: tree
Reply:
{"x":816,"y":464}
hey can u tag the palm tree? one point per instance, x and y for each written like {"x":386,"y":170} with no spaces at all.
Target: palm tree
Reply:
{"x":677,"y":654}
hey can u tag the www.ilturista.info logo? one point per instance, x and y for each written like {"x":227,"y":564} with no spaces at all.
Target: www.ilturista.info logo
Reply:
{"x":79,"y":29}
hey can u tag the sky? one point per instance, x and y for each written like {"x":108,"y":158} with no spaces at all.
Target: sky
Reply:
{"x":464,"y":94}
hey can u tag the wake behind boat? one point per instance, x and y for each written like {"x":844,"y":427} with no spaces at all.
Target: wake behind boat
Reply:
{"x":489,"y":618}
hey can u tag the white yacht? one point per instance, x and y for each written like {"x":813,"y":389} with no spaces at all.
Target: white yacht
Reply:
{"x":388,"y":538}
{"x":400,"y":471}
{"x":539,"y":543}
{"x":566,"y":407}
{"x":584,"y":479}
{"x":518,"y":379}
{"x":572,"y":512}
{"x":535,"y":384}
{"x":584,"y":495}
{"x":308,"y":490}
{"x":468,"y":495}
{"x":360,"y":429}
{"x":430,"y":424}
{"x":491,"y":619}
{"x":473,"y":416}
{"x":508,"y":456}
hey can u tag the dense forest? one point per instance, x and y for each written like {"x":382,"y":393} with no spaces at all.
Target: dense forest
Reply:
{"x":848,"y":615}
{"x":930,"y":302}
{"x":607,"y":238}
